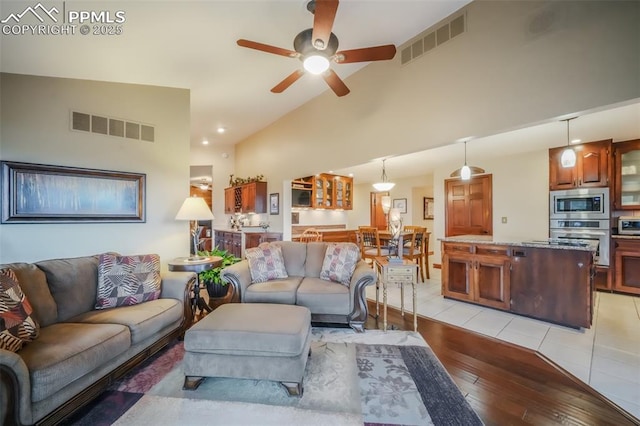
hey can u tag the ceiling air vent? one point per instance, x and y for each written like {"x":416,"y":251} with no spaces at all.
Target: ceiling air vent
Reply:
{"x":116,"y":127}
{"x":432,"y":37}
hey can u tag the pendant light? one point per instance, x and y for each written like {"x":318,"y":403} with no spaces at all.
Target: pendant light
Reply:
{"x":568,"y":158}
{"x":384,"y":185}
{"x":465,"y":171}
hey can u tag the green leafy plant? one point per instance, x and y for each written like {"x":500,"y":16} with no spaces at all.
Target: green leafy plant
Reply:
{"x":213,"y":275}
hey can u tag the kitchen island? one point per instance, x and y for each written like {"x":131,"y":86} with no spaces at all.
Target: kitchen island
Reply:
{"x":550,"y":280}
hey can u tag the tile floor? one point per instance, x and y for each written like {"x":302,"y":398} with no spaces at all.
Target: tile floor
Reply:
{"x":606,"y":356}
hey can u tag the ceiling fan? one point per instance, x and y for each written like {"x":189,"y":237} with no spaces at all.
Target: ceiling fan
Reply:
{"x":317,"y":47}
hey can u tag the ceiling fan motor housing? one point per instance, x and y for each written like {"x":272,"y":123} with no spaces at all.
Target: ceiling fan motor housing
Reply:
{"x":303,"y":44}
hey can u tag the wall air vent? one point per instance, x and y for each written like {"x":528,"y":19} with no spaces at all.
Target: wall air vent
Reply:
{"x":432,"y":37}
{"x":116,"y":127}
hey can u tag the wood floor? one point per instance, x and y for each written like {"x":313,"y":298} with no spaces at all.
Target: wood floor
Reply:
{"x":507,"y":384}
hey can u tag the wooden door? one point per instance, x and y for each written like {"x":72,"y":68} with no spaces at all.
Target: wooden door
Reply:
{"x":378,"y":218}
{"x":627,"y":266}
{"x":492,"y":281}
{"x":229,"y":200}
{"x":468,"y":210}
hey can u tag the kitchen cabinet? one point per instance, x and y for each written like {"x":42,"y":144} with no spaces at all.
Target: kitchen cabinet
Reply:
{"x":592,"y":169}
{"x":248,"y":198}
{"x":626,"y":258}
{"x":231,"y":241}
{"x":476,"y":273}
{"x":626,"y":175}
{"x":329,"y":191}
{"x":553,"y":284}
{"x":548,"y":283}
{"x":254,"y":239}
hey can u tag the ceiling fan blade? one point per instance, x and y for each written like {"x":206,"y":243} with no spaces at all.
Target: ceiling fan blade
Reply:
{"x":288,"y":81}
{"x":267,"y":48}
{"x":323,"y":17}
{"x":336,"y":84}
{"x":366,"y":54}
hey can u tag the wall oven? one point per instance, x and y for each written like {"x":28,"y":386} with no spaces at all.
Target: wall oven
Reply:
{"x":583,"y":203}
{"x":578,"y":231}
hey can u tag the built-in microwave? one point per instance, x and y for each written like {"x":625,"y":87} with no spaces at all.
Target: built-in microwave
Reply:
{"x":629,"y":225}
{"x":582,"y":203}
{"x":300,"y":197}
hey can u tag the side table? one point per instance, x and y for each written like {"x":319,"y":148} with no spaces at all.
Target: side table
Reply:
{"x":401,"y":274}
{"x":197,"y":266}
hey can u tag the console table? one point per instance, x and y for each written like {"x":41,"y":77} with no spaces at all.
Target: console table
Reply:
{"x":197,"y":265}
{"x":400,"y":274}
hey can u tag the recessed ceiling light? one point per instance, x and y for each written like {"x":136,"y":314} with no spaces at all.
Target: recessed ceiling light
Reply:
{"x":576,"y":140}
{"x":350,"y":174}
{"x":205,"y":142}
{"x":221,"y":130}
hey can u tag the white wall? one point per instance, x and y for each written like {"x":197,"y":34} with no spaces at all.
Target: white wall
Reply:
{"x":35,"y":128}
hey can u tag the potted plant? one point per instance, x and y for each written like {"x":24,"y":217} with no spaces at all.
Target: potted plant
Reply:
{"x":215,"y":286}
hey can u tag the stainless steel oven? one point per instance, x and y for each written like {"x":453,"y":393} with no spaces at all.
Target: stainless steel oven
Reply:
{"x":583,"y":203}
{"x":577,"y":230}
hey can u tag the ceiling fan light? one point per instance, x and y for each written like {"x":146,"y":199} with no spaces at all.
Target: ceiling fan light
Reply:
{"x":568,"y":158}
{"x":316,"y":64}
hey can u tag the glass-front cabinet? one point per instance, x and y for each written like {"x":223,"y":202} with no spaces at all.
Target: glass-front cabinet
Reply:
{"x":330,"y":191}
{"x":627,"y":176}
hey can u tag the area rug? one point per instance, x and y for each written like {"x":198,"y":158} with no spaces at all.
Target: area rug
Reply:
{"x":371,"y":378}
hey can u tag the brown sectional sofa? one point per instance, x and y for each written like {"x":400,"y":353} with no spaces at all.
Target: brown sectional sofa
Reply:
{"x":329,"y":302}
{"x":80,"y":350}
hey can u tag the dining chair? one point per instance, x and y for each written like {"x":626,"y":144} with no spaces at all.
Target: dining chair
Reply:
{"x":417,"y":249}
{"x":369,"y":241}
{"x":310,"y":235}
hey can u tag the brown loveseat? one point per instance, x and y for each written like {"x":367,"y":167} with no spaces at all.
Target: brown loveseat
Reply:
{"x":329,"y":302}
{"x":80,"y":350}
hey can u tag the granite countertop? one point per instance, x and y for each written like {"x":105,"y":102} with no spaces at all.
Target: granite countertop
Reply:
{"x":584,"y":245}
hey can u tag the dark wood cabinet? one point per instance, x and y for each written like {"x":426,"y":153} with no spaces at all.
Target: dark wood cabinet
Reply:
{"x":254,"y":239}
{"x":476,"y":273}
{"x":248,"y":198}
{"x":592,"y":169}
{"x":626,"y":258}
{"x":230,"y":241}
{"x":626,"y":186}
{"x":553,"y":285}
{"x":549,"y":284}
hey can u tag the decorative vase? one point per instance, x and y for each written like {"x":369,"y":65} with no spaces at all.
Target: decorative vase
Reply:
{"x":216,"y":290}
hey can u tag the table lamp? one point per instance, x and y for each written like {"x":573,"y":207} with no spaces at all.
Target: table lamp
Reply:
{"x":194,"y":209}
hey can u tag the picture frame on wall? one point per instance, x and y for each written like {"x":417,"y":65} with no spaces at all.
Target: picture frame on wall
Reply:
{"x":428,"y":208}
{"x":400,"y":204}
{"x":40,"y":193}
{"x":274,"y":203}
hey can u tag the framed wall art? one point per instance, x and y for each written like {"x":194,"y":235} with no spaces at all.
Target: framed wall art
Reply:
{"x":400,"y":204}
{"x":428,"y":208}
{"x":274,"y":203}
{"x":49,"y":194}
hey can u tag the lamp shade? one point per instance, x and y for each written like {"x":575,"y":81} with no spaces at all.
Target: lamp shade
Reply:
{"x":465,"y":172}
{"x":386,"y":204}
{"x":568,"y":158}
{"x":194,"y":208}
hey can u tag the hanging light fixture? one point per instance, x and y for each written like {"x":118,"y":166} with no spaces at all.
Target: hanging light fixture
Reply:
{"x":568,"y":158}
{"x":384,"y":185}
{"x":465,"y":171}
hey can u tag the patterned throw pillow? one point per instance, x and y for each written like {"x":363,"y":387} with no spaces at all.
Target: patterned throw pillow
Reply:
{"x":17,"y":326}
{"x":266,"y":263}
{"x":340,"y":261}
{"x":127,"y":280}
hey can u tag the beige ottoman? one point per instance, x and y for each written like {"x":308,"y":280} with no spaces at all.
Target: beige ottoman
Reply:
{"x":249,"y":341}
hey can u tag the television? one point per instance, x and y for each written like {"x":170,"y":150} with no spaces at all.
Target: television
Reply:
{"x":300,"y":197}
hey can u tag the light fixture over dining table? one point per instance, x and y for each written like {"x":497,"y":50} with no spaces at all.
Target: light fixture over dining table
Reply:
{"x":384,"y":184}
